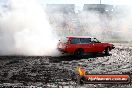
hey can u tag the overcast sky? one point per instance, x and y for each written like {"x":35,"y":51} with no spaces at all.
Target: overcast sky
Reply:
{"x":115,"y":2}
{"x":79,"y":3}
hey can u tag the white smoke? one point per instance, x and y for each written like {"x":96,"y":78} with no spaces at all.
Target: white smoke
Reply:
{"x":91,"y":24}
{"x":114,"y":26}
{"x":121,"y":23}
{"x":26,"y":31}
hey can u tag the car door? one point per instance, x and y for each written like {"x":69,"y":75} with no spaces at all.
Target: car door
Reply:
{"x":86,"y":44}
{"x":74,"y":43}
{"x":97,"y":46}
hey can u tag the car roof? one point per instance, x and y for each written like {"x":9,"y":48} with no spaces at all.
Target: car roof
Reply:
{"x":79,"y":37}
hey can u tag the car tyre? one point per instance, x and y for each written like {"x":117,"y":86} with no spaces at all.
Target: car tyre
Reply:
{"x":107,"y":51}
{"x":94,"y":54}
{"x":79,"y":53}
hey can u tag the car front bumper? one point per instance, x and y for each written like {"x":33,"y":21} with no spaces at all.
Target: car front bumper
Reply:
{"x":113,"y":47}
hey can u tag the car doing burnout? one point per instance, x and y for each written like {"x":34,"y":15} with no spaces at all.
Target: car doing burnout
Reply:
{"x":78,"y":45}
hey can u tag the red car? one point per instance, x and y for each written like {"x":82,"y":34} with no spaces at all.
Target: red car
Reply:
{"x":78,"y":45}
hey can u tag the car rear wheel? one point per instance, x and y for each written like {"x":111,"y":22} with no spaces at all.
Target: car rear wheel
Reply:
{"x":79,"y":53}
{"x":95,"y":53}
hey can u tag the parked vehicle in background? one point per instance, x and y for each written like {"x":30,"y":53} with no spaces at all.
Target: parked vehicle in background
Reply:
{"x":78,"y":45}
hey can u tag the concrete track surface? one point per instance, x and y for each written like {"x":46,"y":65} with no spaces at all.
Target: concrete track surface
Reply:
{"x":58,"y":72}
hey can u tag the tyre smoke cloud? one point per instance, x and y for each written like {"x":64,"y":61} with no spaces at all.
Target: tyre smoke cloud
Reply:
{"x":117,"y":26}
{"x":24,"y":30}
{"x":113,"y":25}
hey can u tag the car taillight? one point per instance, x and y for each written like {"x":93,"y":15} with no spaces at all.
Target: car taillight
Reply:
{"x":66,"y":46}
{"x":62,"y":45}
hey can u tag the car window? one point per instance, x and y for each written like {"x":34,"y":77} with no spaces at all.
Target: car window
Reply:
{"x":85,"y":40}
{"x":75,"y":41}
{"x":94,"y":40}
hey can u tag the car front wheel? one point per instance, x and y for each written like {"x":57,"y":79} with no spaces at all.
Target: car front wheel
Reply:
{"x":106,"y":51}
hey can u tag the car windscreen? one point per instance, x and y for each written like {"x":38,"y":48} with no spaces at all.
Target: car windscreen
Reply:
{"x":94,"y":40}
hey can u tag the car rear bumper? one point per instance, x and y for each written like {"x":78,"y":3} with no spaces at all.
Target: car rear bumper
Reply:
{"x":62,"y":50}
